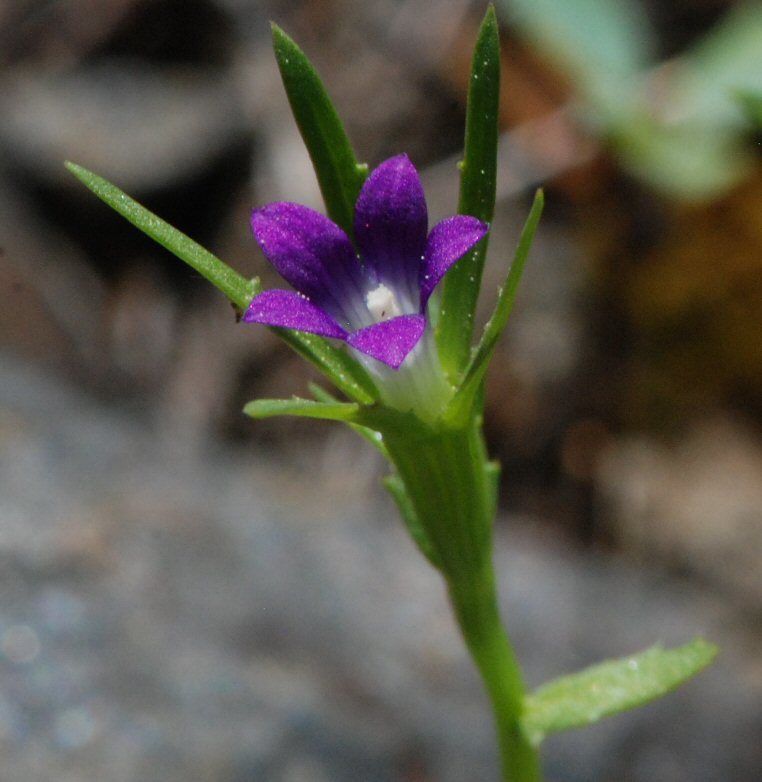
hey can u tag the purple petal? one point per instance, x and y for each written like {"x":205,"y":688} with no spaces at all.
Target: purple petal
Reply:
{"x":391,"y":223}
{"x":291,"y":311}
{"x":311,"y":253}
{"x":447,"y":243}
{"x":391,"y":340}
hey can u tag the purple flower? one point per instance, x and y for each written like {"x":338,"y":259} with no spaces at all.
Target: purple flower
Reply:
{"x":375,"y":303}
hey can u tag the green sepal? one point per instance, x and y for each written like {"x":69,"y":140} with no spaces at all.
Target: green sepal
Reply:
{"x":335,"y":363}
{"x":396,"y":488}
{"x":612,"y":687}
{"x":463,"y":400}
{"x":237,"y":288}
{"x":339,"y":175}
{"x":377,"y":418}
{"x":376,"y":439}
{"x":306,"y":408}
{"x":477,"y":197}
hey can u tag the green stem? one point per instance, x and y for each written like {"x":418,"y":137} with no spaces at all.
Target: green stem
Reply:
{"x":475,"y":605}
{"x":450,"y":485}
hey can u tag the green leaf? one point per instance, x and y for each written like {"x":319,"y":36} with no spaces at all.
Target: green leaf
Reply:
{"x":339,"y":174}
{"x":396,"y":488}
{"x":307,"y":408}
{"x":477,"y":197}
{"x":237,"y":288}
{"x":611,"y":687}
{"x":463,"y":400}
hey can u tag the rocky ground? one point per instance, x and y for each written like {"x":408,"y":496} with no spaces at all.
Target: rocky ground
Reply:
{"x":221,"y":617}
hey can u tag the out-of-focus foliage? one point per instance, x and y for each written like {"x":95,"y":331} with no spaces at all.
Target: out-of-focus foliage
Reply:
{"x":601,"y":44}
{"x":751,"y":103}
{"x":678,"y":125}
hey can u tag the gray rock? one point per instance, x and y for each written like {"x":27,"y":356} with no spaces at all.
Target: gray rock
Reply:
{"x":697,"y":502}
{"x":142,"y":127}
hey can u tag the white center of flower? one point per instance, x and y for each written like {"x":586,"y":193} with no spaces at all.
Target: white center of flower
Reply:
{"x":382,"y":304}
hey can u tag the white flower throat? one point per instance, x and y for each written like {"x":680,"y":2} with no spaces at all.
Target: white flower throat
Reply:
{"x":382,"y":304}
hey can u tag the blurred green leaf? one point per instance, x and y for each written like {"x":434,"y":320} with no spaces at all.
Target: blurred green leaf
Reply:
{"x":688,"y":160}
{"x":687,"y":136}
{"x":339,"y":174}
{"x":677,"y":126}
{"x":477,"y":197}
{"x":604,"y":44}
{"x":751,"y":104}
{"x":612,"y":687}
{"x":725,"y":62}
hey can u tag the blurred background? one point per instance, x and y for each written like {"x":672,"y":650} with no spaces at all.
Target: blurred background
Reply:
{"x":188,"y":595}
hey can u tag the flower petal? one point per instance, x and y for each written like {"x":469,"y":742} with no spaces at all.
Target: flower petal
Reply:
{"x":311,"y":253}
{"x":391,"y":223}
{"x":291,"y":311}
{"x":447,"y":243}
{"x":391,"y":340}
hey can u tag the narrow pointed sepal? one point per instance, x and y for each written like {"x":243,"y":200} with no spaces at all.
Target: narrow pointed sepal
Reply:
{"x":305,"y":408}
{"x":375,"y":438}
{"x":339,"y":174}
{"x":477,"y":367}
{"x":477,"y":196}
{"x":237,"y":288}
{"x":332,"y":361}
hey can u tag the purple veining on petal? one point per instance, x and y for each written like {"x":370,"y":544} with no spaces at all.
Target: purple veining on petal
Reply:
{"x":447,"y":243}
{"x":391,"y":340}
{"x":292,"y":311}
{"x":391,"y":222}
{"x":311,"y":253}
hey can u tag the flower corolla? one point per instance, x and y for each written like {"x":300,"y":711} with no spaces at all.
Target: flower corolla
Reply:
{"x":375,"y":302}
